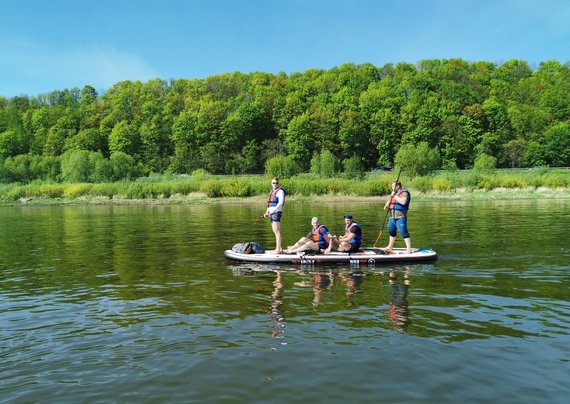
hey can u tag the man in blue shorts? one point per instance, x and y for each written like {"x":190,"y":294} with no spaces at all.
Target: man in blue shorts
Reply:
{"x":398,"y":204}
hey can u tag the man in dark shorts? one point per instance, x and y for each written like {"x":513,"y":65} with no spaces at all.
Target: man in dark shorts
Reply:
{"x":274,"y":211}
{"x":351,"y":240}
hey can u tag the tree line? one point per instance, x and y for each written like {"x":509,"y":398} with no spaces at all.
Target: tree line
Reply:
{"x":363,"y":115}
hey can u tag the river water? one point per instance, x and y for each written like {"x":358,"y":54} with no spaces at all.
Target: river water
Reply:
{"x":137,"y":304}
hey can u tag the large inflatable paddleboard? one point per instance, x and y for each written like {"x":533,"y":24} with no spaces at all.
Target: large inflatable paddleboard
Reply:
{"x":365,"y":256}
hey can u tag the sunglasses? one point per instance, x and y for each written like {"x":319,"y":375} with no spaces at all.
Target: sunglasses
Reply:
{"x":275,"y":183}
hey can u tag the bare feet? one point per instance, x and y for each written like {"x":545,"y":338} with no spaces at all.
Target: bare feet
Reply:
{"x":387,"y":249}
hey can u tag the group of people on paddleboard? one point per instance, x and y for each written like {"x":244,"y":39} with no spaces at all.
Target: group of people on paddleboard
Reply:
{"x":320,"y":240}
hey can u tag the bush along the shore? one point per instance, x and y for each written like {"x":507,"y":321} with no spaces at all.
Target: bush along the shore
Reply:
{"x":201,"y":183}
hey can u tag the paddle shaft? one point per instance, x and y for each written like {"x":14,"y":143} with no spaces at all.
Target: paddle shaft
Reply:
{"x":387,"y":212}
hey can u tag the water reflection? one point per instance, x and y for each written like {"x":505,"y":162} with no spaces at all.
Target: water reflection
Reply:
{"x":398,"y":312}
{"x":353,"y":281}
{"x":383,"y":292}
{"x":321,"y":282}
{"x":123,"y":290}
{"x":276,"y":301}
{"x":380,"y":299}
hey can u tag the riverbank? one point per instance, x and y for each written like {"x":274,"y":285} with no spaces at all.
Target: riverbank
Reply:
{"x":202,"y":198}
{"x":205,"y":188}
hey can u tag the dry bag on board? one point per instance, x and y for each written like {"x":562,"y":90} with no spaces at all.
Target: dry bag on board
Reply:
{"x":248,"y":248}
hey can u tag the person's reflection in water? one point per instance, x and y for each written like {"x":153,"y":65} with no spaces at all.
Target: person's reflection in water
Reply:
{"x":275,"y":314}
{"x":398,"y":312}
{"x":353,"y":281}
{"x":321,"y":282}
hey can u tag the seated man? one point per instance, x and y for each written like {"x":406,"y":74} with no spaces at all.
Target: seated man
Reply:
{"x":351,"y":240}
{"x":317,"y":240}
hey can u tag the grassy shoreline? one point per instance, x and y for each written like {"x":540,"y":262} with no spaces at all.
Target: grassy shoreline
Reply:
{"x":202,"y":198}
{"x":442,"y":186}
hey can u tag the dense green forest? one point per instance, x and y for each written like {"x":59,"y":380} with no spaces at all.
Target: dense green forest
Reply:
{"x":234,"y":123}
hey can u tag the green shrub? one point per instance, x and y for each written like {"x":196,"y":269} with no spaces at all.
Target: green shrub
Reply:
{"x":376,"y":184}
{"x":488,"y":182}
{"x":484,"y":162}
{"x":135,"y":191}
{"x":512,"y":181}
{"x":123,"y":166}
{"x":557,"y":180}
{"x":329,"y":164}
{"x":338,"y":186}
{"x":200,"y":174}
{"x":471,"y":180}
{"x":75,"y":190}
{"x":108,"y":189}
{"x":15,"y":193}
{"x":315,"y":164}
{"x":442,"y":184}
{"x":76,"y":166}
{"x":102,"y":170}
{"x":281,"y":167}
{"x":186,"y":186}
{"x":260,"y":186}
{"x":212,"y":188}
{"x":26,"y":168}
{"x":450,"y":165}
{"x":422,"y":184}
{"x":236,"y":187}
{"x":47,"y":168}
{"x":48,"y":190}
{"x":306,"y":187}
{"x":417,"y":160}
{"x":160,"y":189}
{"x":352,"y":168}
{"x":138,"y":190}
{"x":373,"y":188}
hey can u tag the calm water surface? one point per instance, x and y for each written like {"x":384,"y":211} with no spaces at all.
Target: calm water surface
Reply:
{"x":137,"y":304}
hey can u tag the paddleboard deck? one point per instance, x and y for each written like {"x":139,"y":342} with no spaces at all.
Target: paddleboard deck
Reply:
{"x":365,"y":256}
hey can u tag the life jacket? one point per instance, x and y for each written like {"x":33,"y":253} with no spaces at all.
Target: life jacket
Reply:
{"x":395,"y":205}
{"x":322,"y":281}
{"x":273,"y":199}
{"x":318,"y":237}
{"x":358,"y":237}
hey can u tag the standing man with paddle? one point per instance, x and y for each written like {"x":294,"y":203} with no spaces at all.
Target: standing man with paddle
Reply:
{"x":398,"y":206}
{"x":274,"y":211}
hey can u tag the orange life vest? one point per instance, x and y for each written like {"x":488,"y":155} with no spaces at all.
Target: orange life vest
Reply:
{"x":273,"y":200}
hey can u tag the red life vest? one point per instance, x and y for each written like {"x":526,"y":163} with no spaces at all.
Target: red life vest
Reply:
{"x":395,"y":205}
{"x":358,"y":237}
{"x":317,"y":234}
{"x":273,"y":200}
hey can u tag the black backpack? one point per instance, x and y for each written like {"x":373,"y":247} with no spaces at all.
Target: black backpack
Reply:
{"x":248,"y":248}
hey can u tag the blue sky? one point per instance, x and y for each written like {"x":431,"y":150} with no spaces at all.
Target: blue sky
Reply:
{"x":48,"y":45}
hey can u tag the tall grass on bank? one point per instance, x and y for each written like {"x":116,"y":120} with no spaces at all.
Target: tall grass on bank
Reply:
{"x":376,"y":184}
